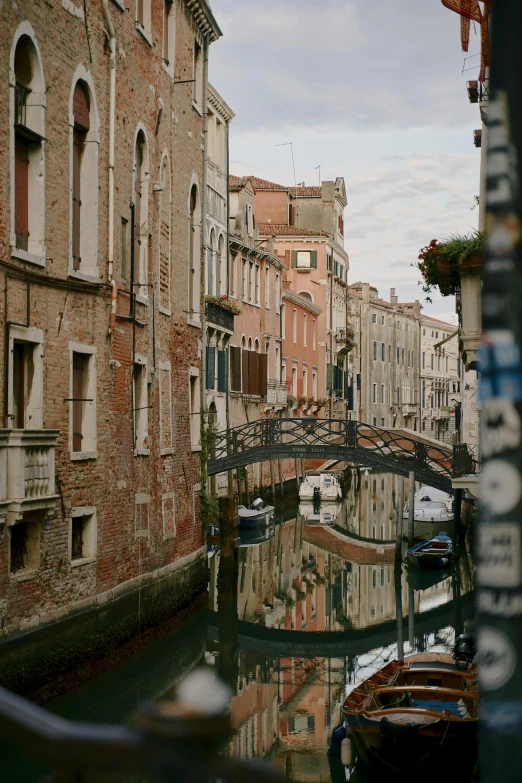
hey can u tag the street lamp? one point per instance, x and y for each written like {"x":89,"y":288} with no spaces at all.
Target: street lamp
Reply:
{"x":458,"y":417}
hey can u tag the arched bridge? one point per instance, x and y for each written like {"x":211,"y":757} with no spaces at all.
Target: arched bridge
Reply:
{"x":344,"y":440}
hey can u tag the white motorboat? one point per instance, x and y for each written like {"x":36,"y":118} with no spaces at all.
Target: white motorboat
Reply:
{"x":425,"y":494}
{"x":430,"y":516}
{"x":255,"y":514}
{"x":321,"y":486}
{"x":320,"y":513}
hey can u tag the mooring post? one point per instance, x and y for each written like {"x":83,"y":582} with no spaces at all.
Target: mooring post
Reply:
{"x":272,"y":479}
{"x":400,"y":511}
{"x":411,"y":616}
{"x":398,"y":608}
{"x":281,"y":477}
{"x":245,"y":480}
{"x":297,"y":480}
{"x":457,"y":516}
{"x":411,"y":508}
{"x":302,"y":469}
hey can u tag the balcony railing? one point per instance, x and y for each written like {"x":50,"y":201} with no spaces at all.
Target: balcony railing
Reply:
{"x":220,"y":316}
{"x":27,"y":460}
{"x":464,"y":463}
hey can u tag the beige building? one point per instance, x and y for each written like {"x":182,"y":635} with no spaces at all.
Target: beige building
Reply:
{"x":440,"y":379}
{"x":385,"y":361}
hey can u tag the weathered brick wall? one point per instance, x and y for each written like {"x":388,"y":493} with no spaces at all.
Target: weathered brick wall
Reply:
{"x":69,"y":310}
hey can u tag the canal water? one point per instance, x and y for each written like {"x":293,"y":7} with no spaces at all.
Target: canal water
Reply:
{"x":310,"y":609}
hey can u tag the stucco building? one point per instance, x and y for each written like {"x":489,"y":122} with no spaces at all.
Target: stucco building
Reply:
{"x":386,"y":358}
{"x":102,"y":187}
{"x":441,"y":379}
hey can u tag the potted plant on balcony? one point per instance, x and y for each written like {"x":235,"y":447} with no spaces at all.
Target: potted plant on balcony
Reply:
{"x":441,"y":264}
{"x":225,"y":303}
{"x":302,"y":401}
{"x":291,"y":401}
{"x":312,"y":404}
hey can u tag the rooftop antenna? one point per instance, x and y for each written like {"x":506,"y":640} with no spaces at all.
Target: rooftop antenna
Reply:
{"x":319,"y":167}
{"x":289,"y":144}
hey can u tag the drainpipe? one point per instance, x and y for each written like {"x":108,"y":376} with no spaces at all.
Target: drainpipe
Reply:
{"x":227,"y":396}
{"x":112,"y":122}
{"x":204,"y":229}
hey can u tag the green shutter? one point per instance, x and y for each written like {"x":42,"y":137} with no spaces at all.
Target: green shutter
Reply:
{"x":222,"y":371}
{"x":313,"y":259}
{"x":329,"y":376}
{"x":294,"y":259}
{"x":211,"y":368}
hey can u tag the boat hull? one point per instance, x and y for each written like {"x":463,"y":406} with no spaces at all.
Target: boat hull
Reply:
{"x":425,"y":530}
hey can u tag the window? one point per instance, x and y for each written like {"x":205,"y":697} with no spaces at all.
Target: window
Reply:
{"x":383,"y":393}
{"x":82,"y":412}
{"x":194,"y":409}
{"x":27,"y":167}
{"x":267,"y":287}
{"x":374,"y":574}
{"x":249,"y":220}
{"x":402,"y":357}
{"x":166,"y":417}
{"x":257,"y":283}
{"x":314,"y":335}
{"x":82,"y":536}
{"x":197,"y":75}
{"x":84,"y":182}
{"x":141,"y":515}
{"x":383,"y":352}
{"x":294,"y":380}
{"x":374,"y":318}
{"x":278,"y":293}
{"x":210,"y":264}
{"x":432,"y":361}
{"x":141,"y":214}
{"x":164,"y":243}
{"x":424,"y":332}
{"x":194,"y":250}
{"x":25,"y":393}
{"x":382,"y":425}
{"x":398,"y":355}
{"x":314,"y":384}
{"x":140,"y":406}
{"x":294,"y":326}
{"x":304,"y":329}
{"x":251,"y":281}
{"x":303,"y":259}
{"x":244,"y":280}
{"x":374,"y":394}
{"x":305,"y":382}
{"x":283,"y":321}
{"x":24,"y":546}
{"x":168,"y":514}
{"x":328,"y":262}
{"x":423,"y":360}
{"x":389,"y":354}
{"x":169,"y":35}
{"x":124,"y":248}
{"x":382,"y":320}
{"x":374,"y":351}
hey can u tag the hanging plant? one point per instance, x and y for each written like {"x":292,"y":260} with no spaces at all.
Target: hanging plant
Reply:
{"x":442,"y":263}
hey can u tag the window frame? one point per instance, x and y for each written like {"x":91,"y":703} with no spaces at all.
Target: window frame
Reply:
{"x":91,"y":391}
{"x":84,"y":511}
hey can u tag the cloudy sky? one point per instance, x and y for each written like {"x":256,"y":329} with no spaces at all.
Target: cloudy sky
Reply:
{"x":371,"y":90}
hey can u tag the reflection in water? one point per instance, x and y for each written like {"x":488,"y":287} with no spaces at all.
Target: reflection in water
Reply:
{"x":299,"y":614}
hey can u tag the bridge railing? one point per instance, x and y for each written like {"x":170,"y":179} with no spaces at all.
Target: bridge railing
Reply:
{"x":154,"y":749}
{"x":309,"y":432}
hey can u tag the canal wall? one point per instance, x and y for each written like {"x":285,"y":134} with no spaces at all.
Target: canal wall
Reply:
{"x":74,"y":643}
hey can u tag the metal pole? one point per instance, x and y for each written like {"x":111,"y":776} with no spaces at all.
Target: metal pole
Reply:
{"x":400,"y":511}
{"x":398,"y":609}
{"x":499,"y":532}
{"x":411,"y":508}
{"x":411,"y":616}
{"x":457,"y":511}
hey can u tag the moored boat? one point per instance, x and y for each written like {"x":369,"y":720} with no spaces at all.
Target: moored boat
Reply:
{"x":416,"y":716}
{"x":321,"y":486}
{"x":436,"y":552}
{"x":256,"y":514}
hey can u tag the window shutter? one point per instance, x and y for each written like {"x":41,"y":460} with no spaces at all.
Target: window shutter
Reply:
{"x":79,"y":369}
{"x":81,"y":108}
{"x":313,"y":259}
{"x":253,"y":372}
{"x":329,"y":376}
{"x":211,"y":367}
{"x":76,"y":193}
{"x":263,"y":374}
{"x":222,"y":371}
{"x":21,"y":193}
{"x":235,"y":368}
{"x":294,"y":259}
{"x":244,"y":368}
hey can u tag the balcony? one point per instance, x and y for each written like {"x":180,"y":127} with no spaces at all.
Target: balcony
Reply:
{"x":443,"y":412}
{"x":27,"y":472}
{"x":346,"y":338}
{"x":220,"y":314}
{"x":276,"y":394}
{"x":409,"y":408}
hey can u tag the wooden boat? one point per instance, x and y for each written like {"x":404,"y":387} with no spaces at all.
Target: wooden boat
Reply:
{"x":436,"y":552}
{"x":417,"y":715}
{"x":256,"y":514}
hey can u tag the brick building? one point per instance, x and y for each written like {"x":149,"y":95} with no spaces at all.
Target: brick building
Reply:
{"x":103,"y":183}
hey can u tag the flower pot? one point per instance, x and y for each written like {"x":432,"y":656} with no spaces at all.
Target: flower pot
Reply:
{"x":446,"y":278}
{"x":471,"y":266}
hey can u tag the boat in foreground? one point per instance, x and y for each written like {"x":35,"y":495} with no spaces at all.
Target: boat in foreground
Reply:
{"x":256,"y":514}
{"x":321,"y":486}
{"x":436,"y":552}
{"x":417,"y":715}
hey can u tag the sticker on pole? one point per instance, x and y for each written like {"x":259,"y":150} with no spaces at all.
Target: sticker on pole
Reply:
{"x":499,"y":554}
{"x":496,"y":658}
{"x":501,"y":486}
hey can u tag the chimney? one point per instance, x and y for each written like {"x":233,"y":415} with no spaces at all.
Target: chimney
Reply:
{"x":366,"y":292}
{"x":393,"y":299}
{"x":416,"y":308}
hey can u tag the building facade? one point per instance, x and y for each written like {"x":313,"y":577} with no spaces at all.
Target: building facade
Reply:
{"x":441,"y":379}
{"x":386,"y":358}
{"x":101,"y":239}
{"x":301,"y":371}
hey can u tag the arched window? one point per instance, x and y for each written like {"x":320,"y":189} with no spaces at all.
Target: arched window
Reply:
{"x":194,"y":253}
{"x":256,"y":345}
{"x":165,"y":237}
{"x":210,"y":263}
{"x":141,"y":215}
{"x":28,"y":188}
{"x":220,"y":266}
{"x":84,"y":178}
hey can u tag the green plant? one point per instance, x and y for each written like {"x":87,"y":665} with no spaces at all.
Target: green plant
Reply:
{"x":225,"y":303}
{"x":440,"y":260}
{"x":291,"y":401}
{"x":321,"y":402}
{"x":302,"y":400}
{"x":311,"y":401}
